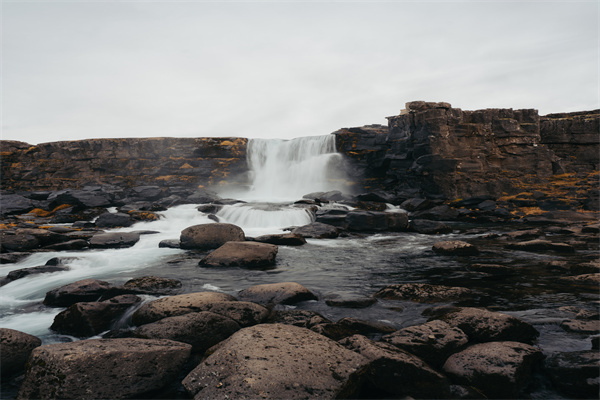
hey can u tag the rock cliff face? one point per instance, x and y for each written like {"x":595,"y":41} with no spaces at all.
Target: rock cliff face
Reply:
{"x":190,"y":162}
{"x":451,"y":153}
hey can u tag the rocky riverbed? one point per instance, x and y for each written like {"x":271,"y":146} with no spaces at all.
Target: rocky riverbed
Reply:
{"x":149,"y":292}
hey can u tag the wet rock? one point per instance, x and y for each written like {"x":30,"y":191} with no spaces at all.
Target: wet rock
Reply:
{"x":209,"y":208}
{"x":242,"y":312}
{"x":81,"y":291}
{"x":85,"y":319}
{"x":23,"y":272}
{"x":591,"y":280}
{"x":44,"y":236}
{"x":455,"y":248}
{"x":114,"y":220}
{"x":433,"y":341}
{"x":324,"y":197}
{"x":16,"y":348}
{"x":276,"y":293}
{"x":541,"y":245}
{"x":147,"y":193}
{"x":200,"y":329}
{"x":581,"y":326}
{"x":114,"y":240}
{"x":18,"y":243}
{"x":82,"y":198}
{"x":317,"y":230}
{"x":493,"y":269}
{"x":12,"y":258}
{"x":499,"y":370}
{"x":525,"y":234}
{"x":423,"y":292}
{"x":346,"y":327}
{"x":202,"y":196}
{"x":241,"y":254}
{"x":576,"y":373}
{"x":429,"y":227}
{"x":170,"y":243}
{"x":279,"y":362}
{"x":416,"y":204}
{"x":76,"y":244}
{"x":487,"y":326}
{"x":586,"y":268}
{"x":210,"y":236}
{"x":282,"y":239}
{"x":301,"y":318}
{"x":397,"y":372}
{"x":438,"y":213}
{"x":102,"y":368}
{"x":154,"y":285}
{"x":351,"y":302}
{"x":176,"y":305}
{"x":592,"y":228}
{"x":376,"y":221}
{"x":15,"y":204}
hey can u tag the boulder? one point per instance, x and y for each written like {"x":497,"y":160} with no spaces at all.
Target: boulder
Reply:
{"x":76,"y":244}
{"x":499,"y":370}
{"x":83,"y":290}
{"x":170,"y":243}
{"x":114,"y":220}
{"x":416,"y":204}
{"x":45,"y":237}
{"x":176,"y":305}
{"x":17,"y":243}
{"x":282,"y":239}
{"x":541,"y":245}
{"x":487,"y":326}
{"x":114,"y":240}
{"x":202,"y":196}
{"x":423,"y":293}
{"x":277,"y":293}
{"x":493,"y":269}
{"x":591,"y":327}
{"x":93,"y":197}
{"x":241,"y":254}
{"x":433,"y":341}
{"x":374,"y":221}
{"x":102,"y":368}
{"x":147,"y":193}
{"x":278,"y":362}
{"x":455,"y":248}
{"x":200,"y":329}
{"x":397,"y":372}
{"x":85,"y":319}
{"x":23,"y":272}
{"x":590,"y":280}
{"x":242,"y":312}
{"x":438,"y":213}
{"x":351,"y":302}
{"x":317,"y":230}
{"x":575,"y":374}
{"x":15,"y":204}
{"x":210,"y":236}
{"x":301,"y":318}
{"x":153,"y":285}
{"x":16,"y":348}
{"x":428,"y":227}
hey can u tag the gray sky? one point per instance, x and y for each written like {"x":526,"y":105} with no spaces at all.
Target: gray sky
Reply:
{"x":92,"y":69}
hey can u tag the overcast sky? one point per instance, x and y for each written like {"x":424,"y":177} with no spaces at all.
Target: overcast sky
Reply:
{"x":97,"y":69}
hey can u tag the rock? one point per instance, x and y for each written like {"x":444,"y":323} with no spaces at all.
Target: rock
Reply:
{"x":200,"y":329}
{"x":487,"y":326}
{"x":102,"y":368}
{"x":455,"y":248}
{"x":351,"y":302}
{"x":423,"y":292}
{"x":416,"y":204}
{"x":359,"y":220}
{"x":147,"y":193}
{"x":113,"y":220}
{"x":324,"y":197}
{"x":591,"y":280}
{"x":76,"y":244}
{"x":575,"y":374}
{"x":241,"y":254}
{"x":83,"y":290}
{"x":44,"y":236}
{"x":11,"y":258}
{"x":433,"y":341}
{"x":42,"y":269}
{"x":170,"y":243}
{"x":429,"y":227}
{"x":209,"y":208}
{"x":15,"y":204}
{"x":18,"y":243}
{"x":176,"y":305}
{"x":438,"y":213}
{"x":317,"y":230}
{"x":591,"y":228}
{"x":493,"y":269}
{"x":279,"y":362}
{"x":16,"y":348}
{"x":580,"y":326}
{"x":94,"y":197}
{"x":153,"y":285}
{"x":242,"y":312}
{"x":114,"y":240}
{"x":525,"y":234}
{"x":202,"y":196}
{"x":85,"y":319}
{"x":541,"y":245}
{"x":346,"y":327}
{"x":497,"y":369}
{"x":283,"y":239}
{"x":301,"y":318}
{"x":397,"y":372}
{"x":277,"y":293}
{"x":210,"y":236}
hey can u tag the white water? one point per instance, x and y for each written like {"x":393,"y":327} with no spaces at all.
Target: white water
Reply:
{"x":262,"y":218}
{"x":285,"y":170}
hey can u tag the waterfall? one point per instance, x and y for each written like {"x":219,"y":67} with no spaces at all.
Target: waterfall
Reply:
{"x":284,"y":170}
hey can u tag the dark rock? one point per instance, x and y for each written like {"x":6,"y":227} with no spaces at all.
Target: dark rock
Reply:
{"x":576,"y":373}
{"x":592,"y":228}
{"x":102,"y":368}
{"x":581,"y":326}
{"x":12,"y":258}
{"x":15,"y":204}
{"x":210,"y":236}
{"x":433,"y":341}
{"x":363,"y":327}
{"x":170,"y":243}
{"x":455,"y":248}
{"x":242,"y":312}
{"x":525,"y":234}
{"x":487,"y":326}
{"x":590,"y":280}
{"x":371,"y":206}
{"x":499,"y":370}
{"x":201,"y":196}
{"x":114,"y":240}
{"x":376,"y":221}
{"x":301,"y":318}
{"x":429,"y":227}
{"x":81,"y":198}
{"x":83,"y":290}
{"x":279,"y":362}
{"x":42,"y":269}
{"x":241,"y":254}
{"x":114,"y":220}
{"x":177,"y":305}
{"x":44,"y":236}
{"x":277,"y":293}
{"x":397,"y":372}
{"x":416,"y":204}
{"x":541,"y":245}
{"x":439,"y":213}
{"x":76,"y":244}
{"x":209,"y":208}
{"x":323,"y":197}
{"x":379,"y":197}
{"x":317,"y":230}
{"x":16,"y":348}
{"x":147,"y":193}
{"x":493,"y":269}
{"x":153,"y":285}
{"x":200,"y":329}
{"x":351,"y":302}
{"x":422,"y":292}
{"x":85,"y":319}
{"x":282,"y":239}
{"x":18,"y":243}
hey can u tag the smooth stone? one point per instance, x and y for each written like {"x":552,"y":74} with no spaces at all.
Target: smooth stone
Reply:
{"x":210,"y":236}
{"x":423,"y":292}
{"x":575,"y":374}
{"x":16,"y":348}
{"x":455,"y":248}
{"x":277,"y":293}
{"x":241,"y":254}
{"x":83,"y":290}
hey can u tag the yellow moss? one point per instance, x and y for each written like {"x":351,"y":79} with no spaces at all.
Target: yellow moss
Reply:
{"x":7,"y":226}
{"x":185,"y":166}
{"x":226,"y":143}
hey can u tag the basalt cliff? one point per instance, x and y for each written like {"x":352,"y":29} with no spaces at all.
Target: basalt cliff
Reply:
{"x":431,"y":150}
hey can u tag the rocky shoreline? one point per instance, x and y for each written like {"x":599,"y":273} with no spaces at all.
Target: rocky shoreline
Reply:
{"x":210,"y":344}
